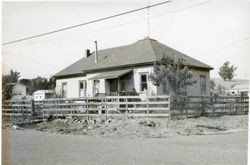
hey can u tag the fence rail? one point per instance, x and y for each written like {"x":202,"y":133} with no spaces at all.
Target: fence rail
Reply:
{"x":127,"y":106}
{"x":108,"y":106}
{"x":17,"y":108}
{"x":203,"y":105}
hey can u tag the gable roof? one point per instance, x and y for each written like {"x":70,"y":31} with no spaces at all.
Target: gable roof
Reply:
{"x":145,"y":51}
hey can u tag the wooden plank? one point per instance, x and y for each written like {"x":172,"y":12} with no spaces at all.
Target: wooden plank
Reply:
{"x":16,"y":114}
{"x":138,"y":103}
{"x":149,"y":115}
{"x":116,"y":115}
{"x":16,"y":110}
{"x":73,"y":109}
{"x":144,"y":109}
{"x":135,"y":97}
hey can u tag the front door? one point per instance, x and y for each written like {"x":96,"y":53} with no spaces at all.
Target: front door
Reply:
{"x":113,"y":85}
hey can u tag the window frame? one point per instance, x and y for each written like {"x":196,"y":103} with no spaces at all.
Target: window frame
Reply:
{"x":84,"y":88}
{"x":145,"y":83}
{"x":64,"y":94}
{"x":203,"y":86}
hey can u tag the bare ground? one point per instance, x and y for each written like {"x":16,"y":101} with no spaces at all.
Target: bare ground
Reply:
{"x":130,"y":141}
{"x":153,"y":127}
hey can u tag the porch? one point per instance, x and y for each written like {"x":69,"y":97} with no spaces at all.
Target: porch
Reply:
{"x":114,"y":83}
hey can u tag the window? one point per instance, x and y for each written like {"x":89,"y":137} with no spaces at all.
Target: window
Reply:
{"x":203,"y":84}
{"x":144,"y":82}
{"x":82,"y":88}
{"x":64,"y":89}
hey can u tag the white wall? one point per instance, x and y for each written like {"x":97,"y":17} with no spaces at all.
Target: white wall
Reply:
{"x":73,"y":83}
{"x":72,"y":86}
{"x":137,"y":72}
{"x":19,"y":89}
{"x":39,"y":96}
{"x":90,"y":84}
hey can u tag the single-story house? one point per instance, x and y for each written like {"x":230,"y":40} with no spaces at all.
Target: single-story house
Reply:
{"x":237,"y":89}
{"x":40,"y":95}
{"x":125,"y":69}
{"x":19,"y":90}
{"x":234,"y":87}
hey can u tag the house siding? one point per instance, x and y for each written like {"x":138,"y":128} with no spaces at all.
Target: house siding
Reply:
{"x":90,"y":84}
{"x":195,"y":89}
{"x":72,"y":86}
{"x":152,"y":90}
{"x":131,"y":80}
{"x":19,"y":89}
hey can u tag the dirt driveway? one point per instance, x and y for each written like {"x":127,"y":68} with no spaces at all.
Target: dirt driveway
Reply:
{"x":34,"y":147}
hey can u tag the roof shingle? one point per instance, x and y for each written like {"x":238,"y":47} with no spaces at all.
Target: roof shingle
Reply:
{"x":143,"y":51}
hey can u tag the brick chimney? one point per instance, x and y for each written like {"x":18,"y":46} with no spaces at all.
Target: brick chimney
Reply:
{"x":87,"y":53}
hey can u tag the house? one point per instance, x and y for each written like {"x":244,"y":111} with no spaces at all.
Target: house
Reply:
{"x":239,"y":88}
{"x":19,"y":90}
{"x":125,"y":69}
{"x":234,"y":87}
{"x":42,"y":94}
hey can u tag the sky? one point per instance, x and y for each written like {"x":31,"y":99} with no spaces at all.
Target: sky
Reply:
{"x":210,"y":31}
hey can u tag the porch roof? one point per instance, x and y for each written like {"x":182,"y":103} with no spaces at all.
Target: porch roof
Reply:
{"x":111,"y":74}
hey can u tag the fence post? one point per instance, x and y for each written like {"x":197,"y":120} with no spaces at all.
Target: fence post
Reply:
{"x":147,"y":107}
{"x":22,"y":109}
{"x":169,"y":104}
{"x":87,"y":108}
{"x":185,"y":106}
{"x":126,"y":107}
{"x":106,"y":109}
{"x":234,"y":109}
{"x":42,"y":106}
{"x":32,"y":109}
{"x":213,"y":105}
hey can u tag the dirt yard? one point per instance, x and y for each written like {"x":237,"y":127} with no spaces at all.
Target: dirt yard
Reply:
{"x":146,"y":127}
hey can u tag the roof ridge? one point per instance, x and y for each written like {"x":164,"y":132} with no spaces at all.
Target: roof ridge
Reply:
{"x":152,"y":48}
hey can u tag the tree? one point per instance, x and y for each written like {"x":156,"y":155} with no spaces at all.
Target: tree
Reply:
{"x":226,"y":71}
{"x":212,"y":85}
{"x":173,"y":75}
{"x":14,"y":76}
{"x":41,"y":83}
{"x":8,"y":81}
{"x":25,"y":81}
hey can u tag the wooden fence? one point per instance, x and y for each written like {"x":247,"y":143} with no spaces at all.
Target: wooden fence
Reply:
{"x":152,"y":106}
{"x":204,"y":105}
{"x":15,"y":108}
{"x":127,"y":106}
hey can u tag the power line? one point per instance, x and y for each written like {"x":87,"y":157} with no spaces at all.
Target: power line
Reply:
{"x":226,"y":46}
{"x":127,"y":23}
{"x":86,"y":23}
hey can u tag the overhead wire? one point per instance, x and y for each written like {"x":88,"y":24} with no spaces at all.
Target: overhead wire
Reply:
{"x":123,"y":24}
{"x":226,"y":46}
{"x":85,"y":23}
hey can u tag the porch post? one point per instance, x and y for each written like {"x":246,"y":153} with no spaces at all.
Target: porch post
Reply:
{"x":118,"y":90}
